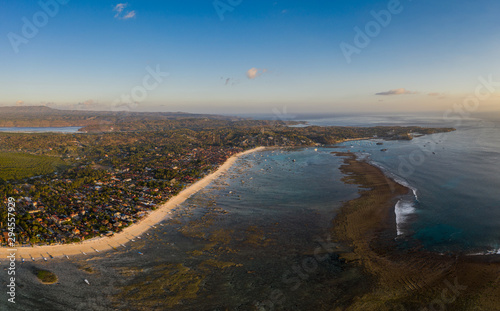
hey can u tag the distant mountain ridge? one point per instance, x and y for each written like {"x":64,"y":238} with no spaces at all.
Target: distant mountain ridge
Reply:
{"x":42,"y":116}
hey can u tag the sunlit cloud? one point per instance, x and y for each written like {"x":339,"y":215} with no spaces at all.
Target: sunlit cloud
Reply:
{"x":20,"y":103}
{"x":401,"y":91}
{"x":253,"y":73}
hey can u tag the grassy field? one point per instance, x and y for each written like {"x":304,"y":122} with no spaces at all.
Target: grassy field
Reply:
{"x":20,"y":165}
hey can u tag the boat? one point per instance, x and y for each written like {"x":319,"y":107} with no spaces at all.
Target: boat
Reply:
{"x":84,"y":253}
{"x":32,"y":258}
{"x":122,"y":245}
{"x":44,"y":258}
{"x":140,"y":253}
{"x":87,"y":281}
{"x":22,"y":260}
{"x":67,"y":256}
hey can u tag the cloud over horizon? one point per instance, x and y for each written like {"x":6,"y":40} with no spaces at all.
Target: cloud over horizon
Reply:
{"x":401,"y":91}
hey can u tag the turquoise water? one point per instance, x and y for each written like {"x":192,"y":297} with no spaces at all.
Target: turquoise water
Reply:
{"x":270,"y":216}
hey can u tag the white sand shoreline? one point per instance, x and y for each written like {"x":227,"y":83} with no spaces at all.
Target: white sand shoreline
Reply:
{"x":115,"y":241}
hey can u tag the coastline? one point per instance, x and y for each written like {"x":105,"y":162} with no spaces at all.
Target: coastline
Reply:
{"x":405,"y":278}
{"x":114,"y":241}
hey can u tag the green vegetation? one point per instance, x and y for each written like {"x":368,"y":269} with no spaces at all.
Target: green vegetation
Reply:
{"x":21,"y":165}
{"x":46,"y":277}
{"x":127,"y":164}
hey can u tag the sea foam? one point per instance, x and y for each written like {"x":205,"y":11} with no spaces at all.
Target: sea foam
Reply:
{"x":403,"y":210}
{"x":404,"y":207}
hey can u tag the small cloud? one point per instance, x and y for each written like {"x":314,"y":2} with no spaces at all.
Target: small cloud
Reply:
{"x":401,"y":91}
{"x":130,"y":14}
{"x":253,"y":73}
{"x":119,"y":8}
{"x":88,"y":104}
{"x":227,"y":81}
{"x":20,"y":103}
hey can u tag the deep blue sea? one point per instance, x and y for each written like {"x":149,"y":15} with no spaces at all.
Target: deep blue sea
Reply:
{"x":455,"y":177}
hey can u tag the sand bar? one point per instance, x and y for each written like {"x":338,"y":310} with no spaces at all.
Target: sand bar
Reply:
{"x":131,"y":232}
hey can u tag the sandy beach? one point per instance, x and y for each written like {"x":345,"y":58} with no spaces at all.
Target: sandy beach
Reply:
{"x":131,"y":232}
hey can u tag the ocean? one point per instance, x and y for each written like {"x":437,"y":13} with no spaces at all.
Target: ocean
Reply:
{"x":455,"y":177}
{"x":259,"y":237}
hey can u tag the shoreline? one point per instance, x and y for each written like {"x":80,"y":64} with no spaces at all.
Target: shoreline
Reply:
{"x":132,"y":231}
{"x":404,"y":278}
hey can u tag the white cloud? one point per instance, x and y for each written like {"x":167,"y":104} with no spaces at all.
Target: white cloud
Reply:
{"x":119,"y":9}
{"x":253,"y":73}
{"x":130,"y":14}
{"x":401,"y":91}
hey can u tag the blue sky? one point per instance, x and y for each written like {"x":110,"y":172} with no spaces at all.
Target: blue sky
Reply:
{"x":261,"y":57}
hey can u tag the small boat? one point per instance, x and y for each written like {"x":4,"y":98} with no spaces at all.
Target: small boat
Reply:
{"x":132,"y":240}
{"x":44,"y":258}
{"x":122,"y":245}
{"x":22,"y":260}
{"x":67,"y":256}
{"x":32,"y":258}
{"x":84,"y":253}
{"x":96,"y":250}
{"x":140,"y":253}
{"x":87,"y":281}
{"x":139,"y":237}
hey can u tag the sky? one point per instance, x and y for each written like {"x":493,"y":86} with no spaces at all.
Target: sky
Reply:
{"x":259,"y":56}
